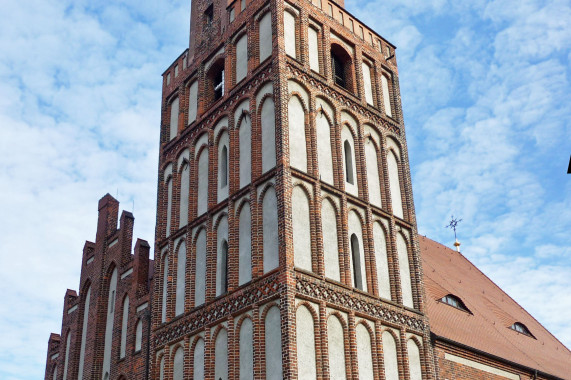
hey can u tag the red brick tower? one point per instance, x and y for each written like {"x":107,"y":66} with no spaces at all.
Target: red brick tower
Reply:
{"x":286,"y":243}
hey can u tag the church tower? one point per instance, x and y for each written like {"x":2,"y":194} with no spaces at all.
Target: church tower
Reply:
{"x":286,"y":241}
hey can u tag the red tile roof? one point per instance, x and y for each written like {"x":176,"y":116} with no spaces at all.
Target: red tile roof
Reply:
{"x":487,"y":327}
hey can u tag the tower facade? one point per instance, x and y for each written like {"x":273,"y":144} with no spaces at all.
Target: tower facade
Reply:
{"x":286,"y":242}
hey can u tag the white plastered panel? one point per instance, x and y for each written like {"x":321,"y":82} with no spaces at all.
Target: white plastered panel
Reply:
{"x":192,"y":101}
{"x":381,"y":261}
{"x":390,"y":360}
{"x":221,"y":355}
{"x":109,"y":324}
{"x":268,"y":118}
{"x":200,"y":265}
{"x":267,"y":88}
{"x":245,"y":245}
{"x":199,"y":360}
{"x":297,"y":146}
{"x":330,"y":244}
{"x":324,"y":154}
{"x":180,"y":279}
{"x":404,"y":270}
{"x":241,"y":57}
{"x":313,"y":45}
{"x":270,"y":230}
{"x":289,"y":34}
{"x":301,"y":229}
{"x":364,"y":353}
{"x":293,"y":86}
{"x":336,"y":347}
{"x":246,"y":350}
{"x":306,"y":363}
{"x":367,"y":83}
{"x":394,"y":184}
{"x":373,"y":179}
{"x":273,"y":344}
{"x":265,"y":34}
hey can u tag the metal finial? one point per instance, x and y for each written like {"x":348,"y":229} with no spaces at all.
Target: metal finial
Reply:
{"x":453,"y":224}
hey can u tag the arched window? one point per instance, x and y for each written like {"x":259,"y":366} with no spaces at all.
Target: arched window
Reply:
{"x":290,"y":34}
{"x":180,"y":279}
{"x":109,"y":323}
{"x":356,"y":256}
{"x":178,"y":364}
{"x":454,"y":301}
{"x":348,"y":162}
{"x":521,"y":328}
{"x":139,"y":336}
{"x":124,"y":327}
{"x":184,"y":194}
{"x":386,"y":95}
{"x":221,"y":356}
{"x":165,"y":286}
{"x":241,"y":57}
{"x":174,"y":108}
{"x":86,"y":301}
{"x":224,"y":268}
{"x":341,"y":67}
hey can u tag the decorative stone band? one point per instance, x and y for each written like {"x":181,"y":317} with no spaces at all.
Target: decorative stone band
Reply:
{"x":349,"y":103}
{"x":256,"y":293}
{"x":347,"y":300}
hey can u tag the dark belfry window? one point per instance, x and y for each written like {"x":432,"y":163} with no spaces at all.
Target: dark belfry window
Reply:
{"x":356,"y":256}
{"x":219,"y":84}
{"x":338,"y":70}
{"x":209,"y":15}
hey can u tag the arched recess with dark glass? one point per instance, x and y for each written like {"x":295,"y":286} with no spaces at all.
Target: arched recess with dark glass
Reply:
{"x":356,"y":257}
{"x":184,"y":194}
{"x":348,"y":153}
{"x":222,"y":256}
{"x":356,"y":251}
{"x":165,"y":270}
{"x":200,"y":268}
{"x":223,"y":143}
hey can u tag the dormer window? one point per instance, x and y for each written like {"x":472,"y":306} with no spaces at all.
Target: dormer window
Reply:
{"x":520,"y":328}
{"x":454,"y":302}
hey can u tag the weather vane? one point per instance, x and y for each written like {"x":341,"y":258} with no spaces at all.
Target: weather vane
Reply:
{"x":453,"y":224}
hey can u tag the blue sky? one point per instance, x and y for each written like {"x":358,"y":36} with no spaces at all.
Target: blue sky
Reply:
{"x":485,"y":90}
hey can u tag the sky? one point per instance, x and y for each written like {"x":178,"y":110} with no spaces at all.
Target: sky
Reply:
{"x":485,"y":90}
